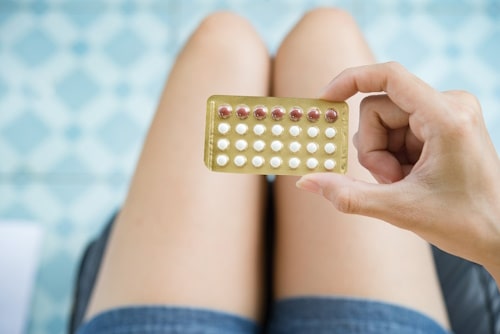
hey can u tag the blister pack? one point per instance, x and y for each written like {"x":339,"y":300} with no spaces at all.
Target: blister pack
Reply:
{"x":275,"y":136}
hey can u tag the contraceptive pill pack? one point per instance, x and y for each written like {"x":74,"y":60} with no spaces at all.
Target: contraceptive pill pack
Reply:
{"x":275,"y":136}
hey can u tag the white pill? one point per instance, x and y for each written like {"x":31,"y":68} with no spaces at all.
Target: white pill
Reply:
{"x":222,"y":160}
{"x":312,"y":163}
{"x":330,"y":132}
{"x":240,"y":160}
{"x":312,"y":132}
{"x":241,"y":129}
{"x":259,"y":145}
{"x":329,"y":164}
{"x":294,"y":146}
{"x":277,"y":130}
{"x":294,"y":162}
{"x":257,"y":161}
{"x":330,"y":148}
{"x":223,"y":144}
{"x":241,"y":144}
{"x":259,"y":129}
{"x":312,"y":147}
{"x":294,"y":130}
{"x":223,"y":128}
{"x":276,"y":145}
{"x":275,"y":162}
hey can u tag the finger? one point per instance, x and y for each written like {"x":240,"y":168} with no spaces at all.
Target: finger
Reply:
{"x":393,"y":203}
{"x":413,"y":147}
{"x":405,"y":89}
{"x":382,"y":131}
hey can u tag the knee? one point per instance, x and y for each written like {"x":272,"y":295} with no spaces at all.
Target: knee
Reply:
{"x":228,"y":30}
{"x":328,"y":17}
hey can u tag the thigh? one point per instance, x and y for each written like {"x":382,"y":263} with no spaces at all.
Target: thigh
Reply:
{"x":187,"y":236}
{"x":319,"y":250}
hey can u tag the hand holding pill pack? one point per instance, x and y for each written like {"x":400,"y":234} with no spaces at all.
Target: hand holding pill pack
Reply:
{"x":278,"y":136}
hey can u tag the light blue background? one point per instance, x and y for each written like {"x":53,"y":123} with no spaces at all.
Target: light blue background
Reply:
{"x":79,"y":81}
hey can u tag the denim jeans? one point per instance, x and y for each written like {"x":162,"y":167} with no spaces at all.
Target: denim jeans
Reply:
{"x":296,"y":315}
{"x":470,"y":293}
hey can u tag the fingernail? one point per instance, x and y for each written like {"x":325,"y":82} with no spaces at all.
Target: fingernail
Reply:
{"x":309,"y":185}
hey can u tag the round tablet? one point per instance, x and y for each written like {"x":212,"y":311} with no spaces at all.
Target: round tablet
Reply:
{"x":260,"y":112}
{"x":240,"y":160}
{"x":259,"y":145}
{"x":275,"y":162}
{"x":312,"y":163}
{"x":224,"y":111}
{"x":294,"y":146}
{"x":222,"y":160}
{"x":277,"y":130}
{"x":330,"y":132}
{"x":223,"y":144}
{"x":277,"y":113}
{"x":329,"y":164}
{"x":223,"y":128}
{"x":313,"y":114}
{"x":294,"y":130}
{"x":276,"y":145}
{"x":241,"y":129}
{"x":330,"y":148}
{"x":313,"y":131}
{"x":294,"y":162}
{"x":295,"y":114}
{"x":242,"y":111}
{"x":312,"y":147}
{"x":257,"y":161}
{"x":331,"y":115}
{"x":241,"y":144}
{"x":259,"y":129}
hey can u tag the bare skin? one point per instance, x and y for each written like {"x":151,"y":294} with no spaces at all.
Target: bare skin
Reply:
{"x":321,"y":251}
{"x":441,"y":170}
{"x":189,"y":237}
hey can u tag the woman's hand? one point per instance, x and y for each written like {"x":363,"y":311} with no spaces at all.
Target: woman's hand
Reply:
{"x":438,"y":170}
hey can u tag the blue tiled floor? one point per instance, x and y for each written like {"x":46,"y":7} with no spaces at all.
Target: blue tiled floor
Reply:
{"x":79,"y":81}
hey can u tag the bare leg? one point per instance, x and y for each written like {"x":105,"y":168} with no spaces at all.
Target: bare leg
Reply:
{"x":187,"y":236}
{"x":319,"y":250}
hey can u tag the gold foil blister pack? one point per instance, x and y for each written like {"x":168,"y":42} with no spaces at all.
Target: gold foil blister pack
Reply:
{"x":276,"y":136}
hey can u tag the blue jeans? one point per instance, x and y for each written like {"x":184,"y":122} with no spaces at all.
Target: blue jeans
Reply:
{"x":470,"y":293}
{"x":298,"y":315}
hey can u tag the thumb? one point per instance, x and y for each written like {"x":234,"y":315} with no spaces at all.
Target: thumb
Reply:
{"x":348,"y":195}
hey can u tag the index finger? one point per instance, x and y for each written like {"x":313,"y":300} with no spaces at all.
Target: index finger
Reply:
{"x":403,"y":88}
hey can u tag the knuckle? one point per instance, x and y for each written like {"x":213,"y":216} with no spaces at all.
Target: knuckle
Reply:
{"x":363,"y":158}
{"x":344,"y":200}
{"x":366,"y":103}
{"x":394,"y":66}
{"x":465,"y":112}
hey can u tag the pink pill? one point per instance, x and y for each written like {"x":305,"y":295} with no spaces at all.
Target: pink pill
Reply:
{"x":295,"y":114}
{"x":260,"y":112}
{"x":278,"y":113}
{"x":225,"y":111}
{"x":242,"y":111}
{"x":331,"y":115}
{"x":313,"y":114}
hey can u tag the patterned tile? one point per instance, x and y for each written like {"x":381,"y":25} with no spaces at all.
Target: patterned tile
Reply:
{"x":489,"y":50}
{"x":119,"y":133}
{"x":34,"y":48}
{"x":25,"y":132}
{"x":125,"y":48}
{"x":77,"y":88}
{"x":79,"y":82}
{"x":8,"y":8}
